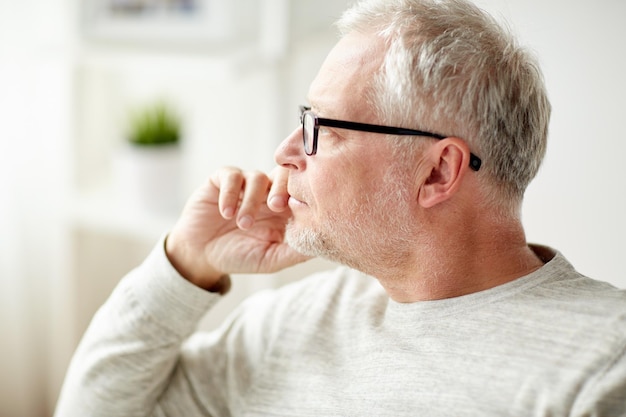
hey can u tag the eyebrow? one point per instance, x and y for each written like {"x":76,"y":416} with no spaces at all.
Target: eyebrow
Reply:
{"x":316,"y":106}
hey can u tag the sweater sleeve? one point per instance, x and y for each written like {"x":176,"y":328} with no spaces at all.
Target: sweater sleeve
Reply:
{"x":127,"y":356}
{"x":605,"y":393}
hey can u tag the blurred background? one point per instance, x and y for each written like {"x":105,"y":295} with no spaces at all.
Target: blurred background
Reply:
{"x":79,"y":206}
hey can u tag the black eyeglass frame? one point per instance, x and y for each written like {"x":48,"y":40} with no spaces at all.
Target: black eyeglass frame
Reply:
{"x":475,"y":161}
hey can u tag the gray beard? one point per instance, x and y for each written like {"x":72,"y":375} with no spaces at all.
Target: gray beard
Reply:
{"x":347,"y":246}
{"x":361,"y":242}
{"x":309,"y":242}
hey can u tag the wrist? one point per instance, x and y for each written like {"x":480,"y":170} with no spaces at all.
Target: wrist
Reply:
{"x":222,"y":286}
{"x":193,"y":270}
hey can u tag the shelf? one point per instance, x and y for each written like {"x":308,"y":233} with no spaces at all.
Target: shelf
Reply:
{"x":101,"y":210}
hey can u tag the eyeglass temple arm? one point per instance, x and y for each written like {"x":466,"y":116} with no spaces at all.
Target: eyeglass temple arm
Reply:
{"x":475,"y":161}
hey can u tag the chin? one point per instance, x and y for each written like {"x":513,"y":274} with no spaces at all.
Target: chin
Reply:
{"x":307,"y":241}
{"x":314,"y":243}
{"x":304,"y":241}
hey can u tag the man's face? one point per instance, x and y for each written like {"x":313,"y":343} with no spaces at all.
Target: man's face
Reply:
{"x":351,"y":200}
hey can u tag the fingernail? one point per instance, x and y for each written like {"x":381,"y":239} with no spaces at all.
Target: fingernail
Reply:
{"x":228,"y":212}
{"x":245,"y":222}
{"x":277,"y":202}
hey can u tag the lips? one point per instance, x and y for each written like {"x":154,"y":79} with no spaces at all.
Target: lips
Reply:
{"x":296,"y":196}
{"x":295,"y":202}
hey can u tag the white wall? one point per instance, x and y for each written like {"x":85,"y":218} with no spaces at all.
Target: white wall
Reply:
{"x":577,"y":203}
{"x":35,"y":94}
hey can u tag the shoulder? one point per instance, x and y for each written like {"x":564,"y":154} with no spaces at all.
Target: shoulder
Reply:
{"x":584,"y":311}
{"x":564,"y":284}
{"x":559,"y":281}
{"x":319,"y":303}
{"x":273,"y":319}
{"x":327,"y":293}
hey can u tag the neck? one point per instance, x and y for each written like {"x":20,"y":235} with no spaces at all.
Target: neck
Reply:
{"x":472,"y":259}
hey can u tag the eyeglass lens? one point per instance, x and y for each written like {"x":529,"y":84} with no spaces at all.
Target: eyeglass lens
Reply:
{"x":308,"y":132}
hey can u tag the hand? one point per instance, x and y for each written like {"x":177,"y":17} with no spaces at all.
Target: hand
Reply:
{"x":235,"y":223}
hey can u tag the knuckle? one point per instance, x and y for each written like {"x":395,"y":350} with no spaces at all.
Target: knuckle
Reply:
{"x":257,"y":180}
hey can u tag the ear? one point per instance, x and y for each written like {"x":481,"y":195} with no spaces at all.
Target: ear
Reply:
{"x":449,"y":161}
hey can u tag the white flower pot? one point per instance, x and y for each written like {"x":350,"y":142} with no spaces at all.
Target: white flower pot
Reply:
{"x":148,"y":178}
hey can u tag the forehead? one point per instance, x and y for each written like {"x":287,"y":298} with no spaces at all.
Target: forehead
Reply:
{"x":345,"y":76}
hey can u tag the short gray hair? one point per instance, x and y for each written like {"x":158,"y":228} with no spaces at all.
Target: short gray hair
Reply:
{"x":452,"y":68}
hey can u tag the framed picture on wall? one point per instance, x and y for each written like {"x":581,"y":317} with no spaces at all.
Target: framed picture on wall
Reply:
{"x":168,"y":21}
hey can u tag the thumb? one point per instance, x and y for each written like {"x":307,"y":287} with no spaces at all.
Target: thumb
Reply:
{"x":278,"y":196}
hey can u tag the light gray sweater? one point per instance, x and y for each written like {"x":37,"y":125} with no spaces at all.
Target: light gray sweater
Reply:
{"x":552,"y":343}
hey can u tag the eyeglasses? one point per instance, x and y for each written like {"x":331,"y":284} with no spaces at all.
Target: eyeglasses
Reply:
{"x":311,"y":123}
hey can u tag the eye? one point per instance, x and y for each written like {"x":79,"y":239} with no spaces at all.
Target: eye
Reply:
{"x":323,"y":130}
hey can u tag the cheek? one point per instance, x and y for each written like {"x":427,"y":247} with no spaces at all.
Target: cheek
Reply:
{"x":338,"y":185}
{"x":349,"y":177}
{"x":343,"y":198}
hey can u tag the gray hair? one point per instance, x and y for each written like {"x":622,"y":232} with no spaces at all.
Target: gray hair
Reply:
{"x":451,"y":68}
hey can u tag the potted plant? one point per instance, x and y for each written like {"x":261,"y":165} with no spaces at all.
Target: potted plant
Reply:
{"x":148,"y":167}
{"x":155,"y":125}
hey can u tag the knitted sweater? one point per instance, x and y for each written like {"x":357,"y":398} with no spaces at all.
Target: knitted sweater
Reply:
{"x":552,"y":343}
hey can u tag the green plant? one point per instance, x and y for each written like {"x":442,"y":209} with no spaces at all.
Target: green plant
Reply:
{"x":156,"y":124}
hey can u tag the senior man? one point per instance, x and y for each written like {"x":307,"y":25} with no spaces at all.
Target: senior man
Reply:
{"x":423,"y":128}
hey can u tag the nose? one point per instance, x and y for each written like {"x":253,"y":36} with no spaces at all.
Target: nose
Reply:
{"x":290,"y":153}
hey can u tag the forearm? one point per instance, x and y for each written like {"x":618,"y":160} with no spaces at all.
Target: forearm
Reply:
{"x":126,"y":357}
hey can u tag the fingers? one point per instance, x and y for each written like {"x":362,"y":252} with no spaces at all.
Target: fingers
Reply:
{"x":254,"y":196}
{"x":278,"y":196}
{"x":229,"y":182}
{"x":241,"y":194}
